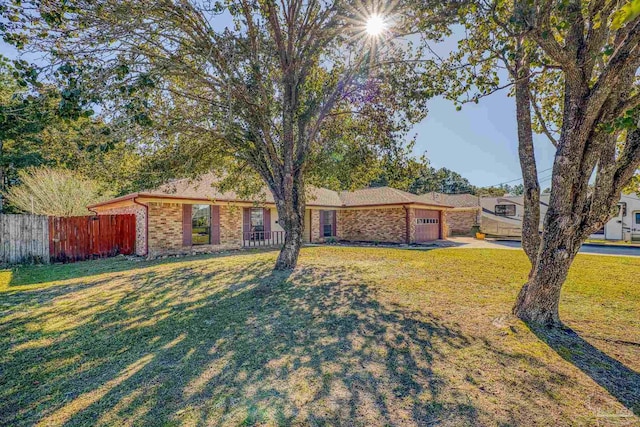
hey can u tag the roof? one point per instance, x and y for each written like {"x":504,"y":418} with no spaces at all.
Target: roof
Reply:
{"x":455,"y":200}
{"x":204,"y":188}
{"x":382,"y":196}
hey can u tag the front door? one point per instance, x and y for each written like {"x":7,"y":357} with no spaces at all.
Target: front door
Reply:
{"x":427,"y":225}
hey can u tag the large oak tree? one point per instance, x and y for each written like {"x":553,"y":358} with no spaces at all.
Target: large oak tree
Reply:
{"x":251,"y":82}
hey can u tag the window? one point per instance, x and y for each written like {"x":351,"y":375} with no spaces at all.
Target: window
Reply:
{"x":328,"y":225}
{"x":623,"y":207}
{"x":201,"y":224}
{"x":505,"y":210}
{"x":257,"y":224}
{"x":637,"y":217}
{"x":422,"y":221}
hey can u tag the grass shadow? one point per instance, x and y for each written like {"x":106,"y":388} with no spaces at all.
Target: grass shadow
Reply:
{"x":620,"y":381}
{"x":226,"y":346}
{"x":42,"y":273}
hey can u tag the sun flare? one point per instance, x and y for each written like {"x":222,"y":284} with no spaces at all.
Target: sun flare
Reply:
{"x":375,"y":25}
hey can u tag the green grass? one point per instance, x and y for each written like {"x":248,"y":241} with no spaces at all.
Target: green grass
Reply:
{"x":355,"y":336}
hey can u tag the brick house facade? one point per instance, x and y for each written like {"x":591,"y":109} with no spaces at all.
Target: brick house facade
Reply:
{"x":461,"y":221}
{"x":464,"y":214}
{"x":381,"y":225}
{"x":170,"y":220}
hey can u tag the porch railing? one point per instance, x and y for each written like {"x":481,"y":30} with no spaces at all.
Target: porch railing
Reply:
{"x":262,"y":239}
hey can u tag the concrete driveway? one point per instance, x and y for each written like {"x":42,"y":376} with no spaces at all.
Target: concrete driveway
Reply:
{"x":595,"y":249}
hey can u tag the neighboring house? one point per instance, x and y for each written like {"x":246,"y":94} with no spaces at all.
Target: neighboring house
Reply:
{"x":192,"y":216}
{"x":502,"y":216}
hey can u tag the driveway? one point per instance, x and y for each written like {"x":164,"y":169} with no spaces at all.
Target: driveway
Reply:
{"x":469,"y":242}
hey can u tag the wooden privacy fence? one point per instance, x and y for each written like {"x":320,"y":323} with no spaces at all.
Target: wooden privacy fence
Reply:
{"x":85,"y":237}
{"x":24,"y":238}
{"x":37,"y":238}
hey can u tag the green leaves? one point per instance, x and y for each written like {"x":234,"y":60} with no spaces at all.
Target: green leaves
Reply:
{"x":627,"y":13}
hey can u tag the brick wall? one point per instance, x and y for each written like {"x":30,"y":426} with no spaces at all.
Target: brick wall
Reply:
{"x":373,"y":225}
{"x":412,"y":225}
{"x":315,"y":226}
{"x":231,"y":226}
{"x":165,"y":230}
{"x":140,"y":212}
{"x":460,"y":222}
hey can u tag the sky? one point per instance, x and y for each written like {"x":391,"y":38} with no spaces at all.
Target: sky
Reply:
{"x":479,"y":142}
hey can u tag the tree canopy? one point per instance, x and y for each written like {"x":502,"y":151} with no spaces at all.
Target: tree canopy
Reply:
{"x":264,"y":91}
{"x":35,"y":131}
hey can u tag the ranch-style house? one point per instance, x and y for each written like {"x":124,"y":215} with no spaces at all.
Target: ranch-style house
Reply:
{"x":187,"y":216}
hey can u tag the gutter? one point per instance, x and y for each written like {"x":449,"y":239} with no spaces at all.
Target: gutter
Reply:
{"x":146,"y":224}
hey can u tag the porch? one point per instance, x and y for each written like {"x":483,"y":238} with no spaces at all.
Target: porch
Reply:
{"x":263,"y":239}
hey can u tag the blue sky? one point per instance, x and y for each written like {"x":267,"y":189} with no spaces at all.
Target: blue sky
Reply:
{"x":479,"y":142}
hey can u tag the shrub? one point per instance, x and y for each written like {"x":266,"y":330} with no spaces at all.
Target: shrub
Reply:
{"x":55,"y":192}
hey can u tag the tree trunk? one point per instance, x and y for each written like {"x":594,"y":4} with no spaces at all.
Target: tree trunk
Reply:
{"x":561,"y":239}
{"x":291,"y":218}
{"x":531,"y":195}
{"x":290,"y":202}
{"x":539,"y":298}
{"x":288,"y":257}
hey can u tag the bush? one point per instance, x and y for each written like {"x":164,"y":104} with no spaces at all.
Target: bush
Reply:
{"x":55,"y":192}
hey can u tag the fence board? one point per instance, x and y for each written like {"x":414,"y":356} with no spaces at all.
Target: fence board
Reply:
{"x":86,"y":237}
{"x":23,"y":238}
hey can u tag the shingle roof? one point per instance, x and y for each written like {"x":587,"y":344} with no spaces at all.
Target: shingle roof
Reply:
{"x":381,"y":196}
{"x":455,"y":200}
{"x":203,"y":189}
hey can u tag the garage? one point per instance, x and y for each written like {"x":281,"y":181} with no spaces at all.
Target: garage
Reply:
{"x":427,"y":225}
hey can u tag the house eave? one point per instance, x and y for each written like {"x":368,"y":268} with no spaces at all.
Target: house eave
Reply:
{"x":150,"y":197}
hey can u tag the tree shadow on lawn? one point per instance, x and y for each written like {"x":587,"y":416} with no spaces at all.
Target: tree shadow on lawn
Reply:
{"x":26,"y":275}
{"x":620,"y":381}
{"x":230,"y":346}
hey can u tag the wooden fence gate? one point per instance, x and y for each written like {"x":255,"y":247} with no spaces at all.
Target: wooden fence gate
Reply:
{"x":85,"y":237}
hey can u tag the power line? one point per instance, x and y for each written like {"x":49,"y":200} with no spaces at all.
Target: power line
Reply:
{"x":519,"y":179}
{"x":540,"y":181}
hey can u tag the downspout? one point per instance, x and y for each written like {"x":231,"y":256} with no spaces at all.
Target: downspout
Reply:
{"x":93,"y":211}
{"x":407,"y":225}
{"x":146,"y":225}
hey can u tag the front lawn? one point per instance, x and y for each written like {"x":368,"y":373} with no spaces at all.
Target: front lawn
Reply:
{"x":356,"y":336}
